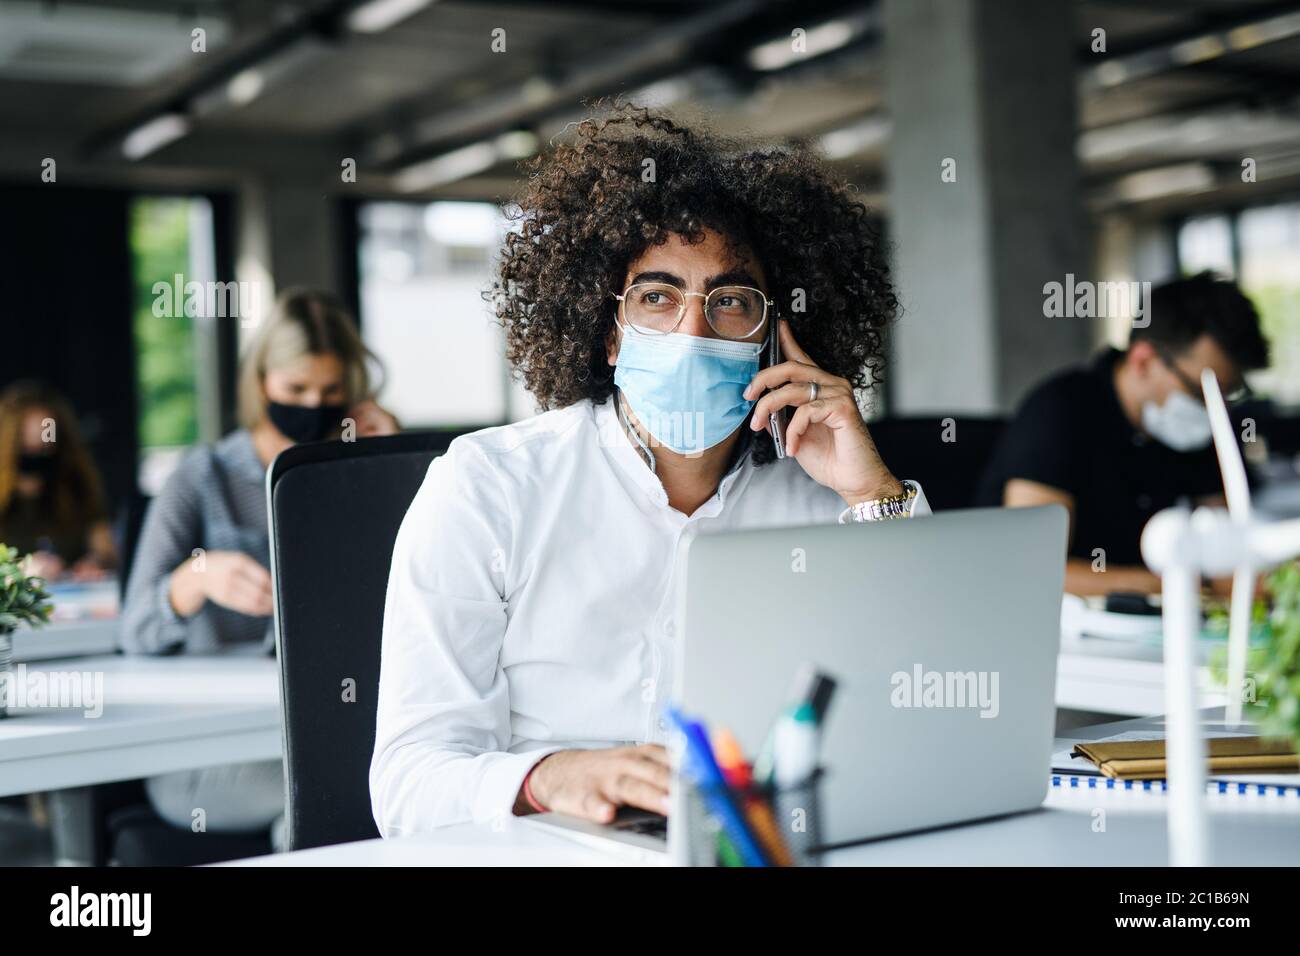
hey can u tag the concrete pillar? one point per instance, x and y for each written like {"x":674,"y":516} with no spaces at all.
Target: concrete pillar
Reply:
{"x":253,"y":267}
{"x":288,"y":235}
{"x":304,"y":235}
{"x":984,"y":91}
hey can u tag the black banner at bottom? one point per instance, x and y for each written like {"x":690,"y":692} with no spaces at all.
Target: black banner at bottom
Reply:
{"x":334,"y":905}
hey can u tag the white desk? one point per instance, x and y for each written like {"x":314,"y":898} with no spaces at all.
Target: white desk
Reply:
{"x":514,"y":844}
{"x":1066,"y":831}
{"x":159,"y":714}
{"x":1060,"y":834}
{"x":66,"y":639}
{"x":85,"y":622}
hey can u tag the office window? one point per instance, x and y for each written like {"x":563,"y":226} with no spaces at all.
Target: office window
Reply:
{"x":423,"y":270}
{"x":1259,"y":247}
{"x":170,"y":236}
{"x":1206,"y":243}
{"x":1269,"y":238}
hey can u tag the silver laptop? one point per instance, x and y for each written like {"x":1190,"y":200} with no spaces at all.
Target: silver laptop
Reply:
{"x":941,"y":634}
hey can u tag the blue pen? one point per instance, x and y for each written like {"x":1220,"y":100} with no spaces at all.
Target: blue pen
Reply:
{"x":704,"y":772}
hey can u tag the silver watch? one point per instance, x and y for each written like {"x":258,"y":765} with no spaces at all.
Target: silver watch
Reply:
{"x":886,"y":509}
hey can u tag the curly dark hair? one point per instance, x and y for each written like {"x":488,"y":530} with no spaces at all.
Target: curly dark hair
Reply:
{"x":586,"y":212}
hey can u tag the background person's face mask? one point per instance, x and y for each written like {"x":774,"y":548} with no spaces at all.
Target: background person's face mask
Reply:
{"x":687,"y":391}
{"x":37,"y":466}
{"x":301,"y":423}
{"x":1181,"y":423}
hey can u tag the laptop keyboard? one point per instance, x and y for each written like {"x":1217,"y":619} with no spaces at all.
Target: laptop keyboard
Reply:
{"x":639,"y":821}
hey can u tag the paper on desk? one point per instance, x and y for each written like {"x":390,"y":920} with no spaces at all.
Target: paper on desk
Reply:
{"x":1079,"y":619}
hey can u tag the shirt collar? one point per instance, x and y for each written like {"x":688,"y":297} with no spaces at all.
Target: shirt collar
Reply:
{"x":619,"y":446}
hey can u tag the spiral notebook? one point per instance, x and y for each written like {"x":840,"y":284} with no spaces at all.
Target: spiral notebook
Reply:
{"x":1074,"y":763}
{"x":1259,"y":786}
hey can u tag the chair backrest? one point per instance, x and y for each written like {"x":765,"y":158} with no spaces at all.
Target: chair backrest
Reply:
{"x":126,"y":534}
{"x":947,"y":455}
{"x":335,"y":508}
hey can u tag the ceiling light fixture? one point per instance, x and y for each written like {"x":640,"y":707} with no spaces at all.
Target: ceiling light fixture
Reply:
{"x":255,"y":80}
{"x":1178,"y":180}
{"x":153,"y":135}
{"x":864,"y":136}
{"x":822,"y":39}
{"x":465,"y":162}
{"x":376,"y":16}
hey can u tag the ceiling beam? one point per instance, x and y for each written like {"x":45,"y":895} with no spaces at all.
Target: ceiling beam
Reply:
{"x":1198,"y":23}
{"x":708,"y":36}
{"x":321,"y":19}
{"x":603,"y":8}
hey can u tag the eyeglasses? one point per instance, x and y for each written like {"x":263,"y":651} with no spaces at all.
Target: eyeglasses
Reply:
{"x":657,"y":308}
{"x":1236,"y":396}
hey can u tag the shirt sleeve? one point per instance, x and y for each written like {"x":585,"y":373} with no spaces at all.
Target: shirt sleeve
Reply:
{"x":172,"y":529}
{"x":1043,"y":443}
{"x":443,"y":728}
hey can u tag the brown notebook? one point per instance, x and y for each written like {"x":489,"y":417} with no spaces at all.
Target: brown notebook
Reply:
{"x":1145,"y":759}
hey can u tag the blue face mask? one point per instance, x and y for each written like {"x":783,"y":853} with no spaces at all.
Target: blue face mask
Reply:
{"x":686,"y":390}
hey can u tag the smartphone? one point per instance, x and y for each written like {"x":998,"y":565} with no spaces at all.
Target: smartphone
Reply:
{"x":776,"y":421}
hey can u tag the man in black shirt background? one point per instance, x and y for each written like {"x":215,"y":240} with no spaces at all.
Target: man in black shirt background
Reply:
{"x":1128,"y":435}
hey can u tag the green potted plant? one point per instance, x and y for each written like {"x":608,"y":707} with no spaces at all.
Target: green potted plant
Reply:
{"x":1276,"y":665}
{"x":23,"y":600}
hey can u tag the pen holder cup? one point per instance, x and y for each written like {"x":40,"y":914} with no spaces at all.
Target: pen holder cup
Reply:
{"x":789,"y":816}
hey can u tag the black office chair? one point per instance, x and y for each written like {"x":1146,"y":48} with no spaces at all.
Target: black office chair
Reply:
{"x":126,"y":535}
{"x":947,"y":455}
{"x":335,"y":508}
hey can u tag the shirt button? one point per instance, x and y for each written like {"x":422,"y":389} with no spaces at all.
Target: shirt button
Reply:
{"x":670,"y":628}
{"x":1144,"y":502}
{"x":661,"y":724}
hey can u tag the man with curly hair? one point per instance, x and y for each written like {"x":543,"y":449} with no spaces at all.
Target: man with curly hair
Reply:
{"x":527,"y":645}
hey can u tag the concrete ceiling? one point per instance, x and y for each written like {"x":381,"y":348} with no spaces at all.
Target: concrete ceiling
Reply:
{"x":1182,"y":81}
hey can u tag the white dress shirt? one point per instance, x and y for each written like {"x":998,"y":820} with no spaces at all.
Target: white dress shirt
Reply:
{"x":530,"y":607}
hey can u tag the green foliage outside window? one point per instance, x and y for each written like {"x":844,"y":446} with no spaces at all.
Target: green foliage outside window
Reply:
{"x":1279,"y":316}
{"x":1278,"y":664}
{"x":165,"y":376}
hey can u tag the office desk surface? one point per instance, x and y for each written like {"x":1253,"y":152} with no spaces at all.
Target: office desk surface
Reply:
{"x":1067,"y":831}
{"x":1070,"y":831}
{"x":66,"y":639}
{"x":159,"y":714}
{"x":511,"y":844}
{"x":1074,"y":827}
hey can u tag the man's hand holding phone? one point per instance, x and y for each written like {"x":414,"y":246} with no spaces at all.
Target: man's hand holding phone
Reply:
{"x":826,"y":433}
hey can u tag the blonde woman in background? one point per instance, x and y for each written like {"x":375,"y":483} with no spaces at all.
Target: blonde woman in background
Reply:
{"x":199,"y":582}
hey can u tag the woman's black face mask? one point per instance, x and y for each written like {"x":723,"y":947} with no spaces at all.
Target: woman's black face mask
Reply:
{"x":302,"y":423}
{"x":36,"y":466}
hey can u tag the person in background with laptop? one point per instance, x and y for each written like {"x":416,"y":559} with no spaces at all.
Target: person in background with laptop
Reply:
{"x":529,"y":625}
{"x":199,"y":583}
{"x":1129,"y":435}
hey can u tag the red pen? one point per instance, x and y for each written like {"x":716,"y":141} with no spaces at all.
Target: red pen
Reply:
{"x":739,"y":775}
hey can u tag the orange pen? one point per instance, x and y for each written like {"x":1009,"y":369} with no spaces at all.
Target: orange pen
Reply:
{"x":738,"y":774}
